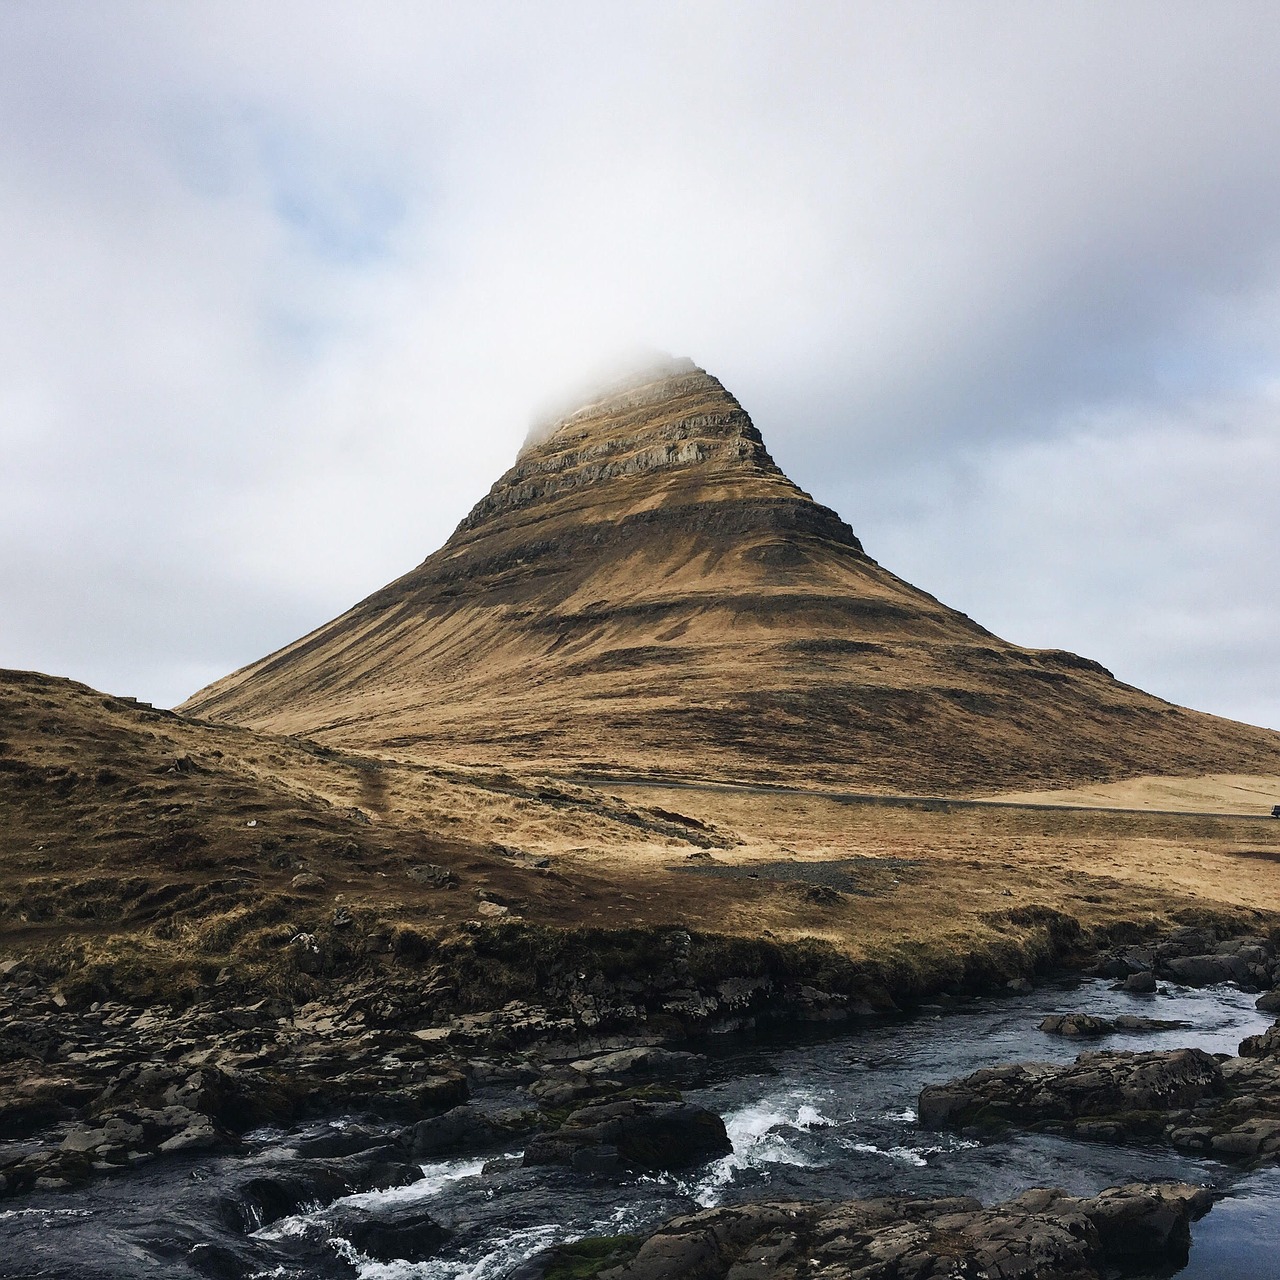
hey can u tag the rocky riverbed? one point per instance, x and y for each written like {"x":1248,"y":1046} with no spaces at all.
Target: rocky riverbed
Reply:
{"x":534,"y":1146}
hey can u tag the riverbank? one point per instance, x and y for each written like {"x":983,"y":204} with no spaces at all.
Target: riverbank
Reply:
{"x":96,"y":1085}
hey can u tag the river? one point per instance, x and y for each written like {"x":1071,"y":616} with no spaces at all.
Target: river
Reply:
{"x":826,"y":1116}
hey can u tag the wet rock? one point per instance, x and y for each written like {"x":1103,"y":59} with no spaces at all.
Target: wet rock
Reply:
{"x":1266,"y":1045}
{"x":349,"y":1140}
{"x":303,"y":1184}
{"x":411,"y":1237}
{"x":465,"y":1130}
{"x":1247,"y":1141}
{"x":644,"y":1062}
{"x":1075,"y":1024}
{"x":259,"y":1201}
{"x":1201,"y":971}
{"x":562,"y":1086}
{"x":1048,"y":1235}
{"x":36,"y":1103}
{"x":1130,"y":1091}
{"x":633,"y":1134}
{"x":1085,"y":1025}
{"x":218,"y":1263}
{"x":1270,"y":1002}
{"x":1141,"y":983}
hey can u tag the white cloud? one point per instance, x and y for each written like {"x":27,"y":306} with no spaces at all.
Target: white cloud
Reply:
{"x":285,"y":283}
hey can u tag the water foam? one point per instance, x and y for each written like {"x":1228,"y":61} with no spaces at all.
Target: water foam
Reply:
{"x":435,"y":1178}
{"x":759,"y":1135}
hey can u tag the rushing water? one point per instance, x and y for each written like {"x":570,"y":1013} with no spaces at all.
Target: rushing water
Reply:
{"x":831,"y":1116}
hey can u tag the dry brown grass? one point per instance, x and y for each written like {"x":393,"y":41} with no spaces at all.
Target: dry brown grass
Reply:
{"x":168,"y":849}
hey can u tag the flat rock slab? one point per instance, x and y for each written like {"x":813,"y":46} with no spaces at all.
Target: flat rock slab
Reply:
{"x":1043,"y":1234}
{"x":1086,"y":1025}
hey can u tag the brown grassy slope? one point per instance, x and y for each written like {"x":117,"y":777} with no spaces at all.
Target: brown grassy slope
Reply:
{"x":126,"y":845}
{"x":124,"y":823}
{"x":646,"y":591}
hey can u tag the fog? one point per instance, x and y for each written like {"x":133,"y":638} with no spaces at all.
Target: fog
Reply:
{"x":286,"y":285}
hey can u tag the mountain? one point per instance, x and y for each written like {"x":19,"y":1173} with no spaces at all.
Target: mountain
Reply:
{"x":645,"y":592}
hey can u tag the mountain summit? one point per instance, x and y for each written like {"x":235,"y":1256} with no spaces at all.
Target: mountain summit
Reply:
{"x":645,"y":591}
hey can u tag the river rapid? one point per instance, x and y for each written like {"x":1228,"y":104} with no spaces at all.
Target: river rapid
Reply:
{"x":825,"y":1116}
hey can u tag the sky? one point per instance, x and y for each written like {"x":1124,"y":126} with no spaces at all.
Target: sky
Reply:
{"x":285,"y":285}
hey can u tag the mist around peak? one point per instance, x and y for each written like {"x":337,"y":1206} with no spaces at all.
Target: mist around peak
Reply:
{"x":620,"y":372}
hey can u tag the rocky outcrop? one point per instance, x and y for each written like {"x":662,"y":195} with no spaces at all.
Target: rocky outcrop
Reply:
{"x":1097,"y":1093}
{"x":1194,"y":956}
{"x":1045,"y":1234}
{"x":121,"y":1088}
{"x":1228,"y":1108}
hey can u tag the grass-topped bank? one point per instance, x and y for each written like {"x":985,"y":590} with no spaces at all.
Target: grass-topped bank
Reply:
{"x":101,"y":1070}
{"x":668,"y":979}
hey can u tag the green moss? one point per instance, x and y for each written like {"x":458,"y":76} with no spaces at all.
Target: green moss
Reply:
{"x":586,"y":1258}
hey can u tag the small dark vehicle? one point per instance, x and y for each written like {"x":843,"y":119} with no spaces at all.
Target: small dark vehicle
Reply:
{"x":1275,"y":811}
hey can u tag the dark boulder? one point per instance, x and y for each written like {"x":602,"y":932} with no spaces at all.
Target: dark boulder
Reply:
{"x":633,"y":1134}
{"x":412,"y":1237}
{"x":308,"y":1184}
{"x":1141,"y":983}
{"x":464,"y":1129}
{"x":1202,"y":971}
{"x":258,"y":1201}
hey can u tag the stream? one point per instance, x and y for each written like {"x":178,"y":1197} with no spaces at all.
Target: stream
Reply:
{"x":828,"y":1115}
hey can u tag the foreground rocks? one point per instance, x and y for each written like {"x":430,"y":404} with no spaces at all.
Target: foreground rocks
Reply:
{"x":92,"y":1086}
{"x":95,"y":1086}
{"x":1045,"y":1234}
{"x":1228,"y":1108}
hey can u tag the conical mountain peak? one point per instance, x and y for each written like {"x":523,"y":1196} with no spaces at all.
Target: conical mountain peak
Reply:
{"x":645,"y":591}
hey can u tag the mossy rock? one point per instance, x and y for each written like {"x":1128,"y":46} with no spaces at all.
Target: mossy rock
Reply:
{"x":586,"y":1258}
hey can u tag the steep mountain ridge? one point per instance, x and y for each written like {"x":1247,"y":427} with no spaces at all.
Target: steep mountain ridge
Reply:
{"x":646,"y":591}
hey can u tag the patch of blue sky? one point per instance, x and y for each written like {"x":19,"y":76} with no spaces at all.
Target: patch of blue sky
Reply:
{"x":341,"y":206}
{"x":342,"y":214}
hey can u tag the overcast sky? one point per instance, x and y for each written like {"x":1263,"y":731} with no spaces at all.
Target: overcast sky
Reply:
{"x":284,"y":284}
